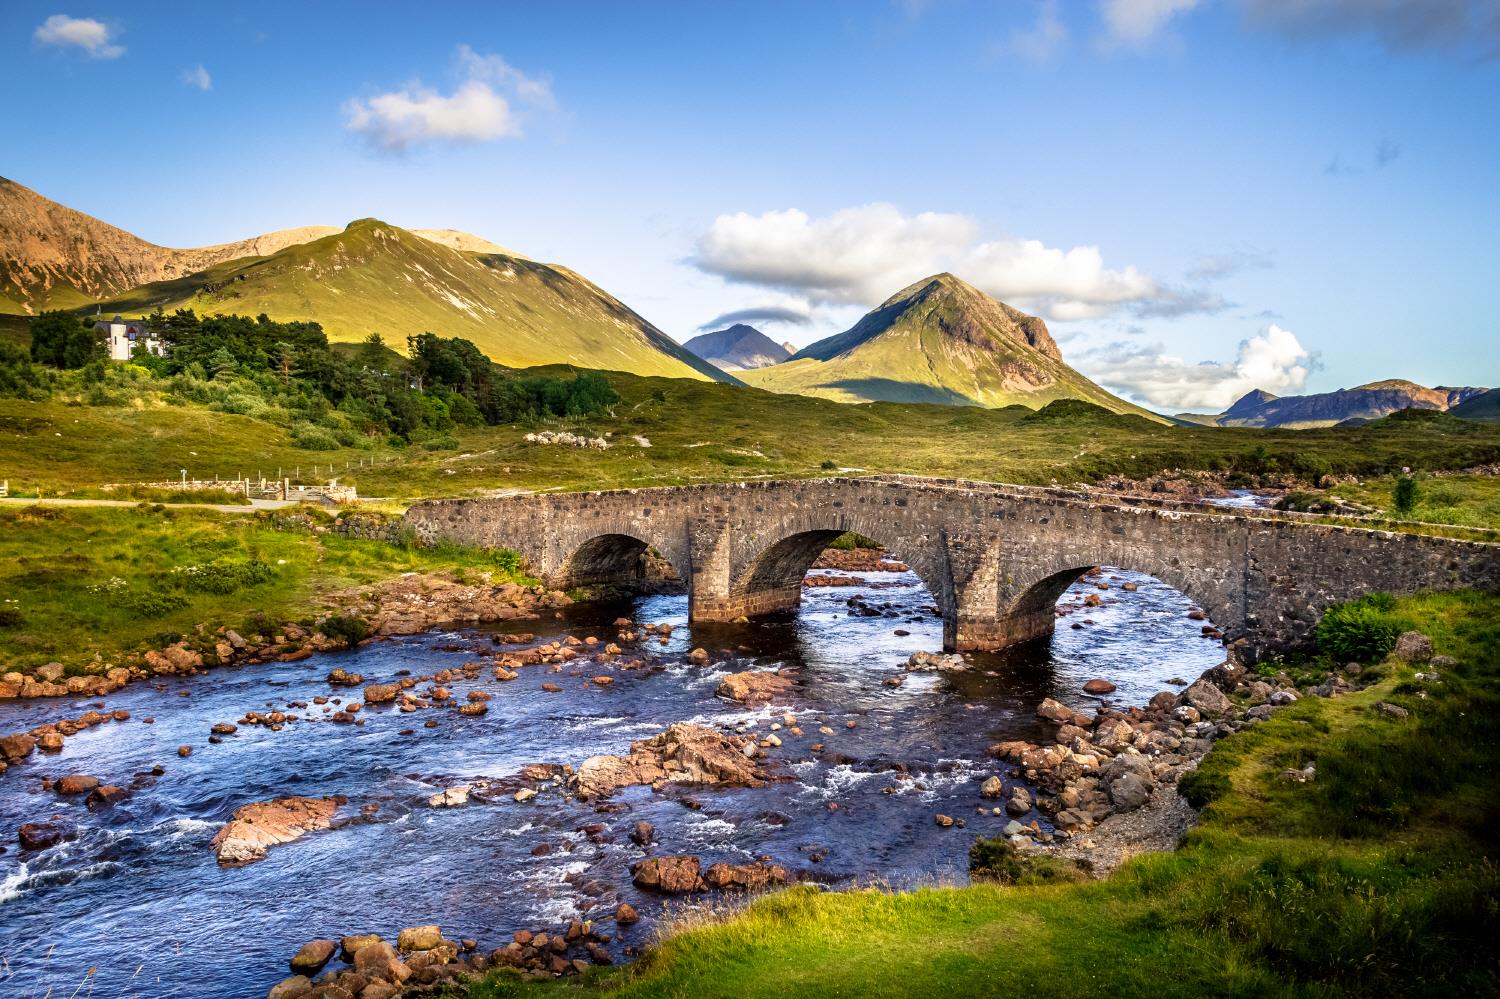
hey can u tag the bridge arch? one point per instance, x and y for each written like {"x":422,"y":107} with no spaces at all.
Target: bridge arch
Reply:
{"x":768,"y":577}
{"x":612,"y":559}
{"x":1028,"y":602}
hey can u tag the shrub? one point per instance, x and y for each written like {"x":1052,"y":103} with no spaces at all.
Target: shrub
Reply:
{"x":311,"y":438}
{"x":1404,"y":498}
{"x":1364,"y":630}
{"x":442,"y":442}
{"x":154,"y":603}
{"x":347,"y":628}
{"x":10,"y":617}
{"x":828,"y":466}
{"x":221,"y":577}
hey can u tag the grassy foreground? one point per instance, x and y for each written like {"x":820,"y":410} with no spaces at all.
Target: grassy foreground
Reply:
{"x":76,"y":582}
{"x":1378,"y":878}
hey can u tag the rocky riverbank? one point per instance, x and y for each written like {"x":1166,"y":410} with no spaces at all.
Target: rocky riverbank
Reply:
{"x":1107,"y":779}
{"x":408,"y":604}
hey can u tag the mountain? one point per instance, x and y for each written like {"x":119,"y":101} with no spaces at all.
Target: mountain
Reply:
{"x":1484,"y":406}
{"x":789,"y":347}
{"x":368,"y":277}
{"x":940,"y":340}
{"x":1327,"y":409}
{"x":57,"y":258}
{"x":738,"y":348}
{"x":373,"y":277}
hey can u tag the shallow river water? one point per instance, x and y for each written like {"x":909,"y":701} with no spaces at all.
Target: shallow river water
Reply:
{"x":139,"y":897}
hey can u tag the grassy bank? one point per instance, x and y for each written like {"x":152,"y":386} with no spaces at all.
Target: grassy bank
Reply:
{"x":1466,"y":500}
{"x":76,"y":582}
{"x":697,"y":432}
{"x":1377,"y":878}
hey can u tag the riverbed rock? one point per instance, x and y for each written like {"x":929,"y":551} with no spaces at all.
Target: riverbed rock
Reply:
{"x":1129,"y":792}
{"x":746,"y":877}
{"x":381,"y":693}
{"x":77,"y":784}
{"x":643,"y":833}
{"x":379,"y":962}
{"x":312,"y":957}
{"x":1413,"y":647}
{"x":450,"y":797}
{"x":41,"y":835}
{"x":936,"y":662}
{"x":1206,"y":697}
{"x":754,"y":685}
{"x":255,"y":828}
{"x":415,"y":938}
{"x":1054,"y":710}
{"x":626,"y":915}
{"x":351,"y":944}
{"x":104,"y":796}
{"x":684,"y":754}
{"x":992,"y":787}
{"x":1097,"y":686}
{"x":296,"y":987}
{"x":674,"y":875}
{"x":15,"y":748}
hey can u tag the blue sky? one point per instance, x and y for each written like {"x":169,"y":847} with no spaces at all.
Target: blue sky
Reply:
{"x":1201,"y":196}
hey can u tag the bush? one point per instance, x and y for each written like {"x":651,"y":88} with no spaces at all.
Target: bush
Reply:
{"x":311,"y":438}
{"x":1364,"y":630}
{"x":347,"y":628}
{"x":221,"y":577}
{"x":154,"y":604}
{"x":442,"y":442}
{"x":11,"y":618}
{"x":1404,"y":498}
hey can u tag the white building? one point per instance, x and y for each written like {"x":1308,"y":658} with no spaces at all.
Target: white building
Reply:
{"x":123,"y":336}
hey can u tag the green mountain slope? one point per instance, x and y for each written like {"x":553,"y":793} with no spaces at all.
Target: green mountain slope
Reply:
{"x":374,"y":277}
{"x":943,"y":341}
{"x":1485,"y":407}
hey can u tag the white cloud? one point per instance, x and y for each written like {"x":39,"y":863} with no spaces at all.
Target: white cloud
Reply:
{"x":1043,"y":39}
{"x":198,"y":77}
{"x":93,"y":37}
{"x":1136,"y":23}
{"x":483,"y":107}
{"x":1273,"y":361}
{"x":863,"y":255}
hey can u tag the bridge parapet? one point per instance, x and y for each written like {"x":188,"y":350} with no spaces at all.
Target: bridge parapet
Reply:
{"x":995,"y":557}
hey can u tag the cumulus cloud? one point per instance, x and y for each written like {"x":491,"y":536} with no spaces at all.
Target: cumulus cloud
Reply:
{"x":1137,"y":23}
{"x":198,"y":77}
{"x":486,"y":105}
{"x":1398,"y":25}
{"x":1043,"y":38}
{"x":94,"y":37}
{"x":765,"y":314}
{"x":1273,"y":361}
{"x":861,"y":256}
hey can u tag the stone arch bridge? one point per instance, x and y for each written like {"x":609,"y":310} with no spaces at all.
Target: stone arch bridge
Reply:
{"x":995,"y":557}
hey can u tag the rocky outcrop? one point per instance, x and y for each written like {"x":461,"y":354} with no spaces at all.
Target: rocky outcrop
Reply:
{"x":677,"y":875}
{"x":414,"y":603}
{"x":255,"y":828}
{"x":684,"y":754}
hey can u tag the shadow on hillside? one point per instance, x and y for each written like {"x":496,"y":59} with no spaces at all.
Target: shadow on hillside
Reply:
{"x":891,"y":390}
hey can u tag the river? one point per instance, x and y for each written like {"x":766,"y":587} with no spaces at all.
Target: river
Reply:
{"x":139,"y":897}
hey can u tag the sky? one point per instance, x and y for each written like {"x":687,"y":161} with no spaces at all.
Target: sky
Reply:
{"x":1201,"y":197}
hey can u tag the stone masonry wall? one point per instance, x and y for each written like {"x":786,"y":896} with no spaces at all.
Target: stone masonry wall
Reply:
{"x":994,"y":557}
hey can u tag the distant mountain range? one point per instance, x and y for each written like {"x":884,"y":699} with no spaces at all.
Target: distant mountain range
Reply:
{"x":940,"y":340}
{"x":738,"y":348}
{"x":368,"y":277}
{"x":1327,"y":409}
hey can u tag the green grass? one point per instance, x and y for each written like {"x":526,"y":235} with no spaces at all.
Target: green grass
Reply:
{"x":77,"y":581}
{"x":1375,"y":879}
{"x":1467,"y":500}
